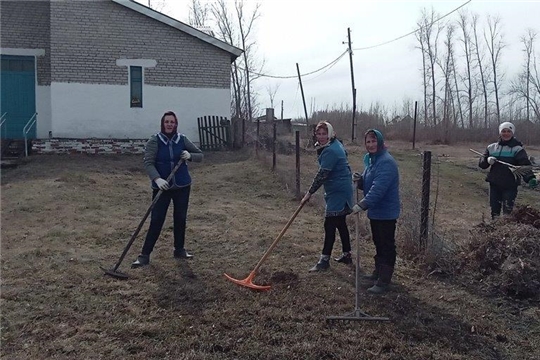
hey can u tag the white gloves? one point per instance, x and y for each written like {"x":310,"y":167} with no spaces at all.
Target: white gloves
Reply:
{"x":162,"y":184}
{"x":185,"y":155}
{"x":306,"y":198}
{"x":356,"y":177}
{"x":356,"y":208}
{"x":491,"y":160}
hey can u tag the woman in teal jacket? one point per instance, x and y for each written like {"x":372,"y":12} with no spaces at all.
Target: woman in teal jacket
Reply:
{"x":380,"y":184}
{"x":335,"y":175}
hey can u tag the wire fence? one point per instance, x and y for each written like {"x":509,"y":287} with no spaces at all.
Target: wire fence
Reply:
{"x":443,"y":192}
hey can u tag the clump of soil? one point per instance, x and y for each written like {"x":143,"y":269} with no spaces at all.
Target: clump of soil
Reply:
{"x":284,"y":277}
{"x":503,"y":255}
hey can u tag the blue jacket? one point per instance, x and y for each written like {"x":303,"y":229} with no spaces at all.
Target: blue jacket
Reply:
{"x":338,"y":189}
{"x":162,"y":154}
{"x":380,"y":184}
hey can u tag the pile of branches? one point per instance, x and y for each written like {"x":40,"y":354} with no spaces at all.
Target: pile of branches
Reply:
{"x":505,"y":254}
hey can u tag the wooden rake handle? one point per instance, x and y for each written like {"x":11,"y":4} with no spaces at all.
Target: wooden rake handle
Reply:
{"x":499,"y":161}
{"x":273,"y":245}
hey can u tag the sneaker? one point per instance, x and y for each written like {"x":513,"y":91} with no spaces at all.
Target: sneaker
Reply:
{"x":345,"y":258}
{"x":322,"y":265}
{"x":182,"y":254}
{"x":142,"y":260}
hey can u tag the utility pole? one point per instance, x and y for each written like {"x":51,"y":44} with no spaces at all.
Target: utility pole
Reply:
{"x":353,"y":132}
{"x":302,"y":91}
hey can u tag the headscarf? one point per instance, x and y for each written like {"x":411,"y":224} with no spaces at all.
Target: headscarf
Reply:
{"x":175,"y":130}
{"x":370,"y":158}
{"x":331,"y":133}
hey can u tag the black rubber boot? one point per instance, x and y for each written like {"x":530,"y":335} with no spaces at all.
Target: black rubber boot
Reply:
{"x":383,"y":283}
{"x":374,"y":276}
{"x":182,"y":254}
{"x":142,"y":260}
{"x":322,"y":265}
{"x":344,"y":258}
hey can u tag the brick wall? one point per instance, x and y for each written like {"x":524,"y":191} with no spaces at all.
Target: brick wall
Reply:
{"x":26,"y":25}
{"x":87,"y":37}
{"x":88,"y":146}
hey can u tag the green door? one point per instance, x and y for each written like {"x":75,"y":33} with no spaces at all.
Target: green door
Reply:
{"x":18,"y":95}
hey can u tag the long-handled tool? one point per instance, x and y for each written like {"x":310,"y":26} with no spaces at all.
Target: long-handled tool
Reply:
{"x":517,"y":171}
{"x":357,"y":314}
{"x":247,"y":282}
{"x":114,"y":270}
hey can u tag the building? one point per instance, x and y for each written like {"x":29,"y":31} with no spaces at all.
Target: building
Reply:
{"x":106,"y":70}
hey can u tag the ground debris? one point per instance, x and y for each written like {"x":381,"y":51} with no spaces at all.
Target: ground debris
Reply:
{"x":504,"y":254}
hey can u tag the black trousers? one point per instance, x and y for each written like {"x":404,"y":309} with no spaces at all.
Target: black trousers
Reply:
{"x":501,"y":198}
{"x":180,"y":199}
{"x":383,"y":233}
{"x":331,"y":223}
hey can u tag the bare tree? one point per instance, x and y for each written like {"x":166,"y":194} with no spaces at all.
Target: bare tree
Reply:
{"x":272,"y":90}
{"x":526,"y":86}
{"x":467,"y":51}
{"x":528,"y":43}
{"x":446,"y":65}
{"x":157,"y":5}
{"x":483,"y":74}
{"x":429,"y":33}
{"x":198,"y":14}
{"x":495,"y":44}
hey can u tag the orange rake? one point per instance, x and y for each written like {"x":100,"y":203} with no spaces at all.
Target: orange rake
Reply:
{"x":247,"y":282}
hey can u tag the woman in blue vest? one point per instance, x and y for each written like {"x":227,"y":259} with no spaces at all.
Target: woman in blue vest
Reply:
{"x":163,"y":151}
{"x":380,"y":184}
{"x":503,"y":185}
{"x":335,"y":175}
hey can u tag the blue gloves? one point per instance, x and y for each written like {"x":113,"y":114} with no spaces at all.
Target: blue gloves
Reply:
{"x":533,"y":183}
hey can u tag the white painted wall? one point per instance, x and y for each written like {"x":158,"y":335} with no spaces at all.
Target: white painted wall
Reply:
{"x":102,"y":111}
{"x":43,"y":108}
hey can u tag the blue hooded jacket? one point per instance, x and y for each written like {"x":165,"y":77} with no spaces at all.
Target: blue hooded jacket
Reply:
{"x":380,"y":183}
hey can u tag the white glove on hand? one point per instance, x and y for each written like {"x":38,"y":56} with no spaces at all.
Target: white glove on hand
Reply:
{"x":185,"y":155}
{"x":162,"y":184}
{"x":356,"y":177}
{"x":356,"y":209}
{"x":491,"y":160}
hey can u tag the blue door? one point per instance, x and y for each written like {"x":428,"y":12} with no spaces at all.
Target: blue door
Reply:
{"x":18,"y":95}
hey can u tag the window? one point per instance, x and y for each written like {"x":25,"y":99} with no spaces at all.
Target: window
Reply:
{"x":136,"y":83}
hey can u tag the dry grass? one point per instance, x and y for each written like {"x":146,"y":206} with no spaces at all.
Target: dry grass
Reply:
{"x":64,"y":216}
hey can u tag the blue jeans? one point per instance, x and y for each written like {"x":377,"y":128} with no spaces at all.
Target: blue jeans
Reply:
{"x":501,"y":198}
{"x":180,"y":199}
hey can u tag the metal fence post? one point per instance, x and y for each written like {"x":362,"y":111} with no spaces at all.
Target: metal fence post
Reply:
{"x":424,"y":210}
{"x":297,"y":133}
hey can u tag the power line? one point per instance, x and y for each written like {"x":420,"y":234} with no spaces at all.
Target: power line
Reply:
{"x":332,"y":63}
{"x":412,"y":32}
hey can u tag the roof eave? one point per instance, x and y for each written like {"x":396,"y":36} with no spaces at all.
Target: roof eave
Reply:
{"x":234,"y":51}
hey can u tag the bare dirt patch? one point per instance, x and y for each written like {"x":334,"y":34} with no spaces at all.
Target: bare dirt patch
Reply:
{"x":64,"y":216}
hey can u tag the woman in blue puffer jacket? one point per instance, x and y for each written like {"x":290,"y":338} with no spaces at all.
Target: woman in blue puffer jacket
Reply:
{"x":380,"y":184}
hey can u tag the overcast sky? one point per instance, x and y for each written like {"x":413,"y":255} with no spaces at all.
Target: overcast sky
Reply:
{"x":313,"y":33}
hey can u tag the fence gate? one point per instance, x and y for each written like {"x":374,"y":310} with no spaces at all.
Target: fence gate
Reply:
{"x":214,"y":132}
